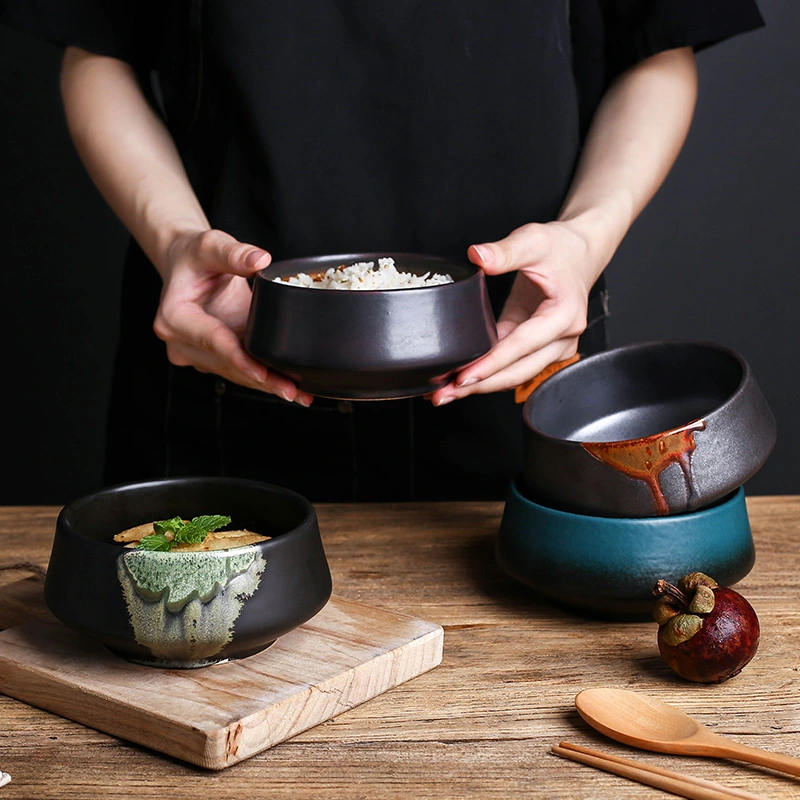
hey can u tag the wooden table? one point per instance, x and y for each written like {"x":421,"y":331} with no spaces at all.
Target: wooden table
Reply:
{"x":479,"y":725}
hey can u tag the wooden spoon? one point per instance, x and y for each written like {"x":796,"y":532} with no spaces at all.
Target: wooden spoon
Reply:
{"x":645,"y":722}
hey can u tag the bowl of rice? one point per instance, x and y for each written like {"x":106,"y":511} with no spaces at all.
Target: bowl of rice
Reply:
{"x":369,"y":326}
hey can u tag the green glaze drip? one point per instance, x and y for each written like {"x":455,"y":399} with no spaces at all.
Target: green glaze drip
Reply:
{"x":183,"y":606}
{"x":178,"y":578}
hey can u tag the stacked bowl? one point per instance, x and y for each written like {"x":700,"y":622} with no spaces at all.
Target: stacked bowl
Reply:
{"x":634,"y":466}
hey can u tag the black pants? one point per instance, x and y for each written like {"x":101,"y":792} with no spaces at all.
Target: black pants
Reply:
{"x":169,"y":421}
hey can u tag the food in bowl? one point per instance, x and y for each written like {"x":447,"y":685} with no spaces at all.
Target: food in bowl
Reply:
{"x":194,"y":608}
{"x":365,"y":275}
{"x":178,"y":535}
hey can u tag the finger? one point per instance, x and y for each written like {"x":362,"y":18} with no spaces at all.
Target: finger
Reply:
{"x":208,"y":345}
{"x":219,"y":252}
{"x":505,"y":327}
{"x":525,"y":299}
{"x":242,"y":372}
{"x":512,"y":376}
{"x":524,"y":370}
{"x":548,"y":325}
{"x":523,"y":247}
{"x":221,"y":354}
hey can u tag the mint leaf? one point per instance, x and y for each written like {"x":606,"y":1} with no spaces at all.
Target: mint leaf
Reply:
{"x":173,"y":525}
{"x":211,"y":523}
{"x":192,"y":532}
{"x":197,"y":529}
{"x":154,"y":541}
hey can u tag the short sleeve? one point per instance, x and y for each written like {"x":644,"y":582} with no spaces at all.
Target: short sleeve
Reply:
{"x":637,"y":29}
{"x":609,"y":36}
{"x":123,"y":29}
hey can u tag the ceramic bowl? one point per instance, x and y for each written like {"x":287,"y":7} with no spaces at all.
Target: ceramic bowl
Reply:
{"x":607,"y":567}
{"x":645,"y":430}
{"x":184,"y":610}
{"x":370,"y":344}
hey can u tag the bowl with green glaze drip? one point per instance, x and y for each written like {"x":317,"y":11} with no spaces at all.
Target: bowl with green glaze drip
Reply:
{"x":187,"y":609}
{"x":606,"y":567}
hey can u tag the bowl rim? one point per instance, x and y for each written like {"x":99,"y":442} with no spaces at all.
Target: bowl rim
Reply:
{"x":63,"y":519}
{"x":633,"y":347}
{"x":272,"y":271}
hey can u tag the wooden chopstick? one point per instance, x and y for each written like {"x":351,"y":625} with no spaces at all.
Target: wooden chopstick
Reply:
{"x":660,"y":778}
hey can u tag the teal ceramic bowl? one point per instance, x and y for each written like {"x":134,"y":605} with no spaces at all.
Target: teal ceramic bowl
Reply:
{"x":606,"y":566}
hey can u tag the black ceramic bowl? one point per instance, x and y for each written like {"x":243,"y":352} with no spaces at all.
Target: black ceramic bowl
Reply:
{"x":645,"y":430}
{"x":370,"y":344}
{"x":184,"y":610}
{"x":606,"y":567}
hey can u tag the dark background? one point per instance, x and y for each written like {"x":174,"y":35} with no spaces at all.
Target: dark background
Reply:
{"x":712,"y":258}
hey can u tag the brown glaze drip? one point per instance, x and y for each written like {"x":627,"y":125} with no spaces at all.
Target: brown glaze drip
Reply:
{"x":645,"y":459}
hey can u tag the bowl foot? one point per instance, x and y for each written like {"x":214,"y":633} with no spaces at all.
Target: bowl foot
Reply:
{"x":188,"y":664}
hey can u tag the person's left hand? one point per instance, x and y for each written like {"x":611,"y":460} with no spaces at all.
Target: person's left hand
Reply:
{"x":545,"y":312}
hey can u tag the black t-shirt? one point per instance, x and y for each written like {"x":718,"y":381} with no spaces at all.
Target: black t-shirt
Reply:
{"x":324,"y":126}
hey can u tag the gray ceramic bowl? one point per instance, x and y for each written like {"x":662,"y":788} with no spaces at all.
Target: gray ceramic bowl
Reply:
{"x":183,"y":610}
{"x":367,"y":344}
{"x":607,"y":567}
{"x":645,"y":430}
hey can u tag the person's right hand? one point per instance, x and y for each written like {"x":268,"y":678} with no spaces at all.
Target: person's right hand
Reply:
{"x":204,"y":307}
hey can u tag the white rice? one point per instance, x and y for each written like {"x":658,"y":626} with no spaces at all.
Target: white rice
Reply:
{"x":365,"y":275}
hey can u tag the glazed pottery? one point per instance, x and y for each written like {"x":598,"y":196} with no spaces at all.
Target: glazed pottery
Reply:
{"x":645,"y":430}
{"x":607,"y":567}
{"x":370,"y":344}
{"x":187,"y":609}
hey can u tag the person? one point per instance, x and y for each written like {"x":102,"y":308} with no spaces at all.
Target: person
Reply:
{"x":526,"y":137}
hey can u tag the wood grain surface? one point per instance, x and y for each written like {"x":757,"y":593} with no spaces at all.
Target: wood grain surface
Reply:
{"x":482,"y":723}
{"x":218,"y":716}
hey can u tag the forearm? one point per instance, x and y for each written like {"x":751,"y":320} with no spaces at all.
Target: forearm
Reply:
{"x":635,"y":137}
{"x":636,"y":134}
{"x":128,"y":152}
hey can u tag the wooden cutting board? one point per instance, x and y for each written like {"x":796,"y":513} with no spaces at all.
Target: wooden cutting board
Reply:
{"x":215,"y":716}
